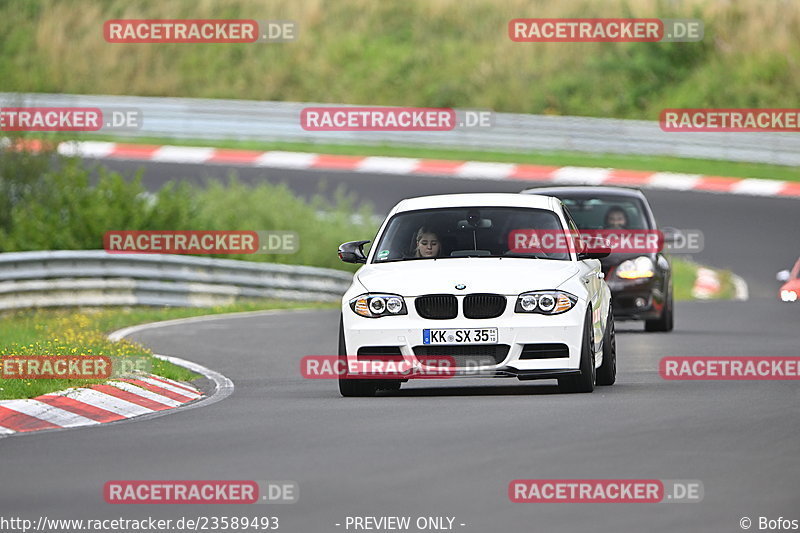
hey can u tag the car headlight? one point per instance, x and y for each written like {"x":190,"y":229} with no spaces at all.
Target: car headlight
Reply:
{"x":788,"y":296}
{"x":641,"y":267}
{"x":545,"y":302}
{"x":378,"y":305}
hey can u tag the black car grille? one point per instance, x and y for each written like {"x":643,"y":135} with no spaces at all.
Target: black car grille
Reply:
{"x":466,"y":354}
{"x":484,"y":305}
{"x":544,"y":351}
{"x":437,"y":306}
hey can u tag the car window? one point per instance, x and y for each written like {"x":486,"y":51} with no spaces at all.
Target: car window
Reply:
{"x":601,"y":212}
{"x":573,"y":228}
{"x":462,"y":232}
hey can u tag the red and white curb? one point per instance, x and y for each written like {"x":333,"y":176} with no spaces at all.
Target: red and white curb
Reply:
{"x":432,"y":167}
{"x":86,"y":406}
{"x":708,"y":285}
{"x":140,"y":397}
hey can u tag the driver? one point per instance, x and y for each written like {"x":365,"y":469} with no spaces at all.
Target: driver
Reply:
{"x":616,"y":218}
{"x":426,"y":243}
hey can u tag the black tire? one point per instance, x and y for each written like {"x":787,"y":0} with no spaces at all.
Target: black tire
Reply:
{"x":390,"y":385}
{"x":586,"y":380}
{"x":607,"y":372}
{"x":666,"y":321}
{"x":352,"y":388}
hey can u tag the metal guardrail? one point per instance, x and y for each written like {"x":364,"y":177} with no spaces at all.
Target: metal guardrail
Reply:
{"x":194,"y":118}
{"x":97,"y":278}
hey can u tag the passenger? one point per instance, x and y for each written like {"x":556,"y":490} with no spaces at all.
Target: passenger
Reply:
{"x":616,"y":218}
{"x":426,"y":243}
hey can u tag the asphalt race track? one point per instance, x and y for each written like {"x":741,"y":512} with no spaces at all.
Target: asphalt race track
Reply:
{"x":450,"y":448}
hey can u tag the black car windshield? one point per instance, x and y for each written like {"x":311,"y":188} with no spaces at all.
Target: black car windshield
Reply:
{"x":606,"y":212}
{"x":463,"y":232}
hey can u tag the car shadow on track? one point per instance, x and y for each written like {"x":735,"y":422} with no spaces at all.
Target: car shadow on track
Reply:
{"x":478,"y":390}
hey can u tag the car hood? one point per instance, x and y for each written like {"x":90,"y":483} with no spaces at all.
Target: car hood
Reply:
{"x":509,"y":276}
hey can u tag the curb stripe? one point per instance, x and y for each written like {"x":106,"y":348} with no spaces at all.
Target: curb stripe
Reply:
{"x":20,"y":422}
{"x":54,"y":415}
{"x":222,"y":155}
{"x":175,"y":384}
{"x":183,"y":154}
{"x":72,"y":405}
{"x":130,"y":397}
{"x":533,"y":172}
{"x":338,"y":162}
{"x":437,"y":166}
{"x":133,"y":388}
{"x":113,"y":404}
{"x":185,"y":393}
{"x":432,"y":167}
{"x":160,"y":392}
{"x":133,"y":151}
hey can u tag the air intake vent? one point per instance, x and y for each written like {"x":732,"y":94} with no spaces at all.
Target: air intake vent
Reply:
{"x":380,"y":353}
{"x":544,"y":351}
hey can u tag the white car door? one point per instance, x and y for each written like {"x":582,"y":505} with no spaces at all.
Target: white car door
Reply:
{"x":591,"y":274}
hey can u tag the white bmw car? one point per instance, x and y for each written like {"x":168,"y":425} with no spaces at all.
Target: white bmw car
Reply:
{"x":445,"y":280}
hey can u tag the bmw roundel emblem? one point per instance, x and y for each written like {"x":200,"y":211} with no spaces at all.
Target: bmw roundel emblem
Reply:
{"x":461,"y":286}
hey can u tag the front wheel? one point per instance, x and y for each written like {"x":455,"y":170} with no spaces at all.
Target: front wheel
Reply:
{"x":666,"y":321}
{"x":607,"y":373}
{"x":586,"y":380}
{"x":352,"y":388}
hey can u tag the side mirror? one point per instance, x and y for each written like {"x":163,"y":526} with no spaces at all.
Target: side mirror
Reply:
{"x":782,"y":276}
{"x":596,"y":253}
{"x":353,"y":252}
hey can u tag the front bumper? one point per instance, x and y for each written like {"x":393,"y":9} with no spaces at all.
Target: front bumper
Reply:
{"x":514,"y":331}
{"x":636,"y":299}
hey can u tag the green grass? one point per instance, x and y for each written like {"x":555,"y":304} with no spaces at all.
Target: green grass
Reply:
{"x":83,"y":332}
{"x":450,"y":53}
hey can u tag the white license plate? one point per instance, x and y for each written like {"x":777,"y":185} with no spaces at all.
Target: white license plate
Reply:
{"x":460,"y":336}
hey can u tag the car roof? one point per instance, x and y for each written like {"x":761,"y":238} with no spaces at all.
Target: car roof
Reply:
{"x":585,"y":191}
{"x":476,"y":199}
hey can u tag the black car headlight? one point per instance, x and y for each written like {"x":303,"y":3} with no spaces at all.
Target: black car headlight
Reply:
{"x":378,"y":305}
{"x":545,"y":302}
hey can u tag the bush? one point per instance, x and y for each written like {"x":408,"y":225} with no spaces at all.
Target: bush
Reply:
{"x":54,"y":203}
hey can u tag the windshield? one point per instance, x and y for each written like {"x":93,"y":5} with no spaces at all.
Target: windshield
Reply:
{"x":462,"y":232}
{"x":607,"y":212}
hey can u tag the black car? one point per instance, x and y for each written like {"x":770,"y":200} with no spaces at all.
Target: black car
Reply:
{"x":640,"y":283}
